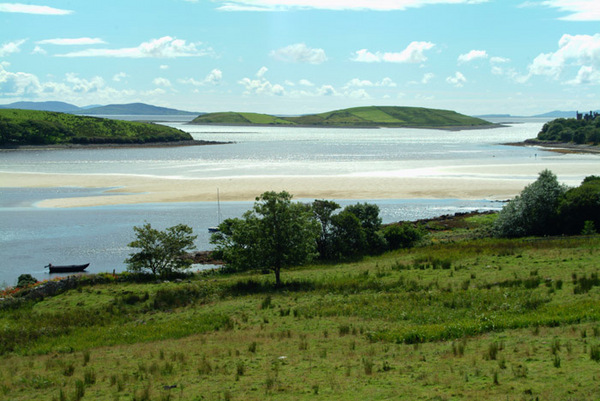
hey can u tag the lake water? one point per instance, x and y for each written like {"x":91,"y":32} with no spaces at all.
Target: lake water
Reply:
{"x":31,"y":236}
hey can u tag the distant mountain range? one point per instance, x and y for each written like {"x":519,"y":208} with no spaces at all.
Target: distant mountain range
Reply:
{"x":111,"y":109}
{"x":148,"y":109}
{"x":550,"y":114}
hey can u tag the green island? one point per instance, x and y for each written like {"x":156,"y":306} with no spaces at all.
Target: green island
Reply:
{"x":32,"y":127}
{"x":374,"y":116}
{"x":581,"y":131}
{"x":473,"y":310}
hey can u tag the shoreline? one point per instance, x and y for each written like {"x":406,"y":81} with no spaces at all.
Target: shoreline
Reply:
{"x":441,"y":128}
{"x":192,"y":142}
{"x":558,"y":147}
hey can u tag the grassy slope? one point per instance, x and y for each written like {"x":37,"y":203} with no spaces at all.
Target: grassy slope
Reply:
{"x":19,"y":127}
{"x":360,"y":117}
{"x":520,"y":328}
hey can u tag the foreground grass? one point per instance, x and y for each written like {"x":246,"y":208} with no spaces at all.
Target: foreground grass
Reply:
{"x":474,"y":319}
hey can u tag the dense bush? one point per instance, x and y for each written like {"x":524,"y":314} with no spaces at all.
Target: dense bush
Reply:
{"x":402,"y":235}
{"x":546,"y":207}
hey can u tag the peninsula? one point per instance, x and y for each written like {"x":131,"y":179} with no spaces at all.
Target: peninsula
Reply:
{"x":43,"y":128}
{"x":359,"y":117}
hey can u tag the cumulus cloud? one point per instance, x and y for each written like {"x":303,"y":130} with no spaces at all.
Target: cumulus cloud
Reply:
{"x":305,"y":82}
{"x":162,"y":82}
{"x":11,"y":47}
{"x":31,"y":9}
{"x":414,"y":53}
{"x":581,"y":50}
{"x":361,"y":83}
{"x":165,"y":47}
{"x":70,"y":41}
{"x":71,"y":88}
{"x":457,"y":80}
{"x":376,"y":5}
{"x":260,"y":85}
{"x":213,"y":78}
{"x":472,"y":55}
{"x":299,"y":53}
{"x":38,"y":50}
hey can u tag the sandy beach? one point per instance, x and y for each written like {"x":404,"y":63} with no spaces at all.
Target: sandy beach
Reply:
{"x":123,"y":189}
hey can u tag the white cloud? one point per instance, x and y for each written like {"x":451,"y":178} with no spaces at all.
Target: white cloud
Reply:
{"x":586,"y":75}
{"x":164,"y":67}
{"x":213,"y":78}
{"x":427,"y":77}
{"x":299,"y":53}
{"x":580,"y":50}
{"x":327,"y":90}
{"x":414,"y":53}
{"x":11,"y":47}
{"x":165,"y":47}
{"x":362,"y":83}
{"x":305,"y":82}
{"x":119,"y":77}
{"x":70,"y":41}
{"x":38,"y":50}
{"x":261,"y":86}
{"x":376,"y":5}
{"x":18,"y":84}
{"x":261,"y":72}
{"x":472,"y":55}
{"x":499,"y":60}
{"x":579,"y":10}
{"x":31,"y":9}
{"x":457,"y":80}
{"x":162,"y":82}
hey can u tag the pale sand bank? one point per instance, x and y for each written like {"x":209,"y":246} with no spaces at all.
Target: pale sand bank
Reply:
{"x":132,"y":190}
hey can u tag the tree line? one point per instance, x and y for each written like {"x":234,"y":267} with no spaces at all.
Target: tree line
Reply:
{"x":571,"y":130}
{"x":278,"y":233}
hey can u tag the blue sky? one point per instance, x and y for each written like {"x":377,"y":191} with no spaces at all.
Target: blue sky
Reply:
{"x":302,"y":56}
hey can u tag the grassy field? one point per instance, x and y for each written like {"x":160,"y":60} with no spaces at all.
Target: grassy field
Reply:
{"x":354,"y":117}
{"x":459,"y":318}
{"x":32,"y":127}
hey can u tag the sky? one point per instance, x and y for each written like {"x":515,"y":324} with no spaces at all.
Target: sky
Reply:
{"x":294,"y":57}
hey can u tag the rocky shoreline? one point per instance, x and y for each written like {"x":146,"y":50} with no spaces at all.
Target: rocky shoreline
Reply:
{"x":559,"y":147}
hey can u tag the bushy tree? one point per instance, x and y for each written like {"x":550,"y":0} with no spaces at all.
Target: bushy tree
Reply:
{"x":579,"y":205}
{"x":323,"y":212}
{"x":161,"y":252}
{"x":275,"y":234}
{"x":534,"y":211}
{"x":348,"y":240}
{"x":402,"y":235}
{"x":368,"y":216}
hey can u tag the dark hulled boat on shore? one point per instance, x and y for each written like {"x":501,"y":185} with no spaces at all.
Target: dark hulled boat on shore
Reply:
{"x":67,"y":268}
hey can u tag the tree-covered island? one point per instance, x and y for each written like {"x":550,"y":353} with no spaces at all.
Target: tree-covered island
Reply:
{"x":583,"y":130}
{"x":43,"y":128}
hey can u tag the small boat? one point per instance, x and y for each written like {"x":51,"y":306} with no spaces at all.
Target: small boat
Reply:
{"x":215,"y":229}
{"x":67,"y":268}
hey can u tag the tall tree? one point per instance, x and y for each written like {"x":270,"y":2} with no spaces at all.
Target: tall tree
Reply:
{"x":277,"y":233}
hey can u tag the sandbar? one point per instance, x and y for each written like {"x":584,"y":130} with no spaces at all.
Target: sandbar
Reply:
{"x":122,"y":189}
{"x":492,"y":182}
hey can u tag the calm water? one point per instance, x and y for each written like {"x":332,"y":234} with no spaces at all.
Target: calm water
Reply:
{"x":31,"y":237}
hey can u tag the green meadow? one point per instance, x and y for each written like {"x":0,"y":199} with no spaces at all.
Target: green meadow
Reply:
{"x":462,"y":317}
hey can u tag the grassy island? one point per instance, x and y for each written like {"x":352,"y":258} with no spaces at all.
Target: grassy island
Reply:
{"x":31,"y":127}
{"x":374,"y":116}
{"x":462,"y":316}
